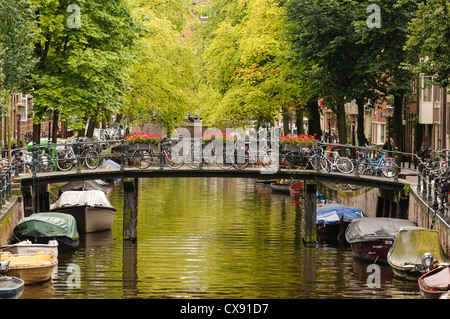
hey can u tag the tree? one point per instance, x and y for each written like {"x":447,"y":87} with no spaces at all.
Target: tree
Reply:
{"x":16,"y":52}
{"x":244,"y":62}
{"x":163,"y":77}
{"x":85,"y":51}
{"x":429,"y":38}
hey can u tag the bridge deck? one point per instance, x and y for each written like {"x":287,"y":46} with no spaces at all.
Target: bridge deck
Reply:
{"x":257,"y":173}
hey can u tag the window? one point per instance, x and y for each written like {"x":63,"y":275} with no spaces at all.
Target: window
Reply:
{"x":427,"y":90}
{"x":24,"y":116}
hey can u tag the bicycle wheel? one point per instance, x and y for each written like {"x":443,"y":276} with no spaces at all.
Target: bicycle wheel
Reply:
{"x":344,"y":165}
{"x":192,"y":159}
{"x":270,"y":159}
{"x":363,"y":167}
{"x":91,"y":159}
{"x":64,"y":163}
{"x":322,"y":160}
{"x":386,"y":168}
{"x":292,"y":160}
{"x":173,"y":160}
{"x":224,"y":160}
{"x":142,"y":159}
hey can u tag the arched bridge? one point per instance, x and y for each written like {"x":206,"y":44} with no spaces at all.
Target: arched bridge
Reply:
{"x":255,"y":173}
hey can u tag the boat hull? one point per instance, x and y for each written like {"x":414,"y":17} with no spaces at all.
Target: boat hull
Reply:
{"x":375,"y":250}
{"x":90,"y":218}
{"x":27,"y":247}
{"x":432,"y":292}
{"x":11,"y":287}
{"x":31,"y":268}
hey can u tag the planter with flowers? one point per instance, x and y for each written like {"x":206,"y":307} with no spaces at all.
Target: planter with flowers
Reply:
{"x":212,"y":136}
{"x":295,"y":143}
{"x":143,"y":141}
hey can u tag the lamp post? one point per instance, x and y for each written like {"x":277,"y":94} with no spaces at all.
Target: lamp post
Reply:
{"x":353,"y":116}
{"x":389,"y":114}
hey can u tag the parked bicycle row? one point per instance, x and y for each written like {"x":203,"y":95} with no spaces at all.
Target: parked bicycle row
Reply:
{"x":172,"y":153}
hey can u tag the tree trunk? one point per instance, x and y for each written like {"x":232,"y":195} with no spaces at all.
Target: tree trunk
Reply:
{"x":361,"y":137}
{"x":397,"y":121}
{"x":91,"y":127}
{"x":299,"y":120}
{"x":314,"y":121}
{"x":285,"y":123}
{"x":341,"y":125}
{"x":444,"y":118}
{"x":37,"y":133}
{"x":63,"y":129}
{"x":55,"y":126}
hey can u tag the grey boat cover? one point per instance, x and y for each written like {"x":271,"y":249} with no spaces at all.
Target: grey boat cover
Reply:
{"x":411,"y":243}
{"x":367,"y":229}
{"x":84,"y":185}
{"x":93,"y":198}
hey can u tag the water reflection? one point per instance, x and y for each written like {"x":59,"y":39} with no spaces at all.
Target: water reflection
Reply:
{"x":212,"y":238}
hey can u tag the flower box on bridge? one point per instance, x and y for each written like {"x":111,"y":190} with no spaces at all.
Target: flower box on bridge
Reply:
{"x":144,"y":146}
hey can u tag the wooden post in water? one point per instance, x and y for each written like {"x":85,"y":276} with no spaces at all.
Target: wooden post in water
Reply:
{"x":130,"y":208}
{"x":309,"y":217}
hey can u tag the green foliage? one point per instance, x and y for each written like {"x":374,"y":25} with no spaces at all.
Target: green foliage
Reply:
{"x":430,"y":36}
{"x":163,"y":78}
{"x":82,"y":71}
{"x":243,"y":63}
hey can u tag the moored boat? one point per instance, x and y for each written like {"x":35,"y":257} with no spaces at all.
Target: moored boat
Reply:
{"x":333,"y":219}
{"x":42,"y":227}
{"x":280,"y":188}
{"x":27,"y":247}
{"x":31,"y":268}
{"x":91,"y":209}
{"x":85,"y":185}
{"x":435,"y":283}
{"x":10,"y":287}
{"x":371,"y":238}
{"x":296,"y":189}
{"x":411,"y":245}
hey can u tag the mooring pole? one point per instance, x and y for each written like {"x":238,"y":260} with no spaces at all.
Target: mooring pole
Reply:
{"x":130,"y":208}
{"x":309,"y":217}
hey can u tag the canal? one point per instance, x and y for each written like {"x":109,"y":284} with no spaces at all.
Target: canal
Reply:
{"x":213,"y":238}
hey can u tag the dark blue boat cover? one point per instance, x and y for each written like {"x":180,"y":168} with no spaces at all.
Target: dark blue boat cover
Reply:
{"x":332,"y":213}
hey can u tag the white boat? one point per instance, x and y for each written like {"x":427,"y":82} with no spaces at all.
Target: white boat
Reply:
{"x":91,"y":209}
{"x":27,"y":247}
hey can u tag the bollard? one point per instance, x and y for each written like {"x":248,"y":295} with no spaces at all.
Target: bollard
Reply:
{"x":396,"y":165}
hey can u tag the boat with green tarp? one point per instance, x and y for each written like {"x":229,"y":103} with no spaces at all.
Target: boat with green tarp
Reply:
{"x":40,"y":227}
{"x":415,"y":251}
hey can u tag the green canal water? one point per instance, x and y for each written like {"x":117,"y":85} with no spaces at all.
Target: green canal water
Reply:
{"x":213,"y":238}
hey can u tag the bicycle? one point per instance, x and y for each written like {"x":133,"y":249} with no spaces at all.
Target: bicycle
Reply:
{"x":339,"y":163}
{"x":265,"y":157}
{"x":368,"y":167}
{"x":66,"y":158}
{"x":196,"y":157}
{"x":146,"y":158}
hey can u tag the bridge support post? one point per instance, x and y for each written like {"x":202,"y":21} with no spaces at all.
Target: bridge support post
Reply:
{"x":309,"y":216}
{"x":130,"y":208}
